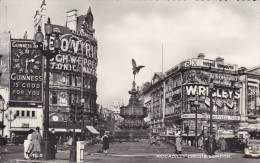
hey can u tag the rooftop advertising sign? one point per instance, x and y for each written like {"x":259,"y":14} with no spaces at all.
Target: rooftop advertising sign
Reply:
{"x":25,"y":71}
{"x":209,"y":63}
{"x":78,"y":50}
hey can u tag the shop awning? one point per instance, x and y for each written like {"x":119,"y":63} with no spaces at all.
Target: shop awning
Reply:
{"x":59,"y":129}
{"x":92,"y":130}
{"x":76,"y":130}
{"x":64,"y":130}
{"x":21,"y":129}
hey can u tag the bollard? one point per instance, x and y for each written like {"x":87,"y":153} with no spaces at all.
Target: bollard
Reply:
{"x":80,"y":151}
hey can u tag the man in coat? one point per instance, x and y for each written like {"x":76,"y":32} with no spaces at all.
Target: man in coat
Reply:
{"x":54,"y":142}
{"x":105,"y":143}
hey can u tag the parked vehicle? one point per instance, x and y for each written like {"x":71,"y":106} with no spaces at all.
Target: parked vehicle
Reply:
{"x":19,"y":139}
{"x":252,"y":148}
{"x":235,"y":144}
{"x":3,"y":141}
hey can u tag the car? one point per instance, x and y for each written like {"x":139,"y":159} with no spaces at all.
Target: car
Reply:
{"x":19,"y":139}
{"x":252,"y":148}
{"x":235,"y":144}
{"x":3,"y":141}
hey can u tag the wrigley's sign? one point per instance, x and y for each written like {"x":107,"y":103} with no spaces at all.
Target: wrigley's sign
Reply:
{"x":227,"y":93}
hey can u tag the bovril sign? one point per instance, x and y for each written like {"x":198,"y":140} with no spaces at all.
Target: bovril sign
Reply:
{"x":76,"y":51}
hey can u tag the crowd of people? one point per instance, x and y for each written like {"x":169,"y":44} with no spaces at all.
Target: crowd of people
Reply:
{"x":32,"y":145}
{"x":202,"y":142}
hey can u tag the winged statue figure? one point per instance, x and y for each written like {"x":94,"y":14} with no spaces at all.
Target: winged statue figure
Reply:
{"x":136,"y":69}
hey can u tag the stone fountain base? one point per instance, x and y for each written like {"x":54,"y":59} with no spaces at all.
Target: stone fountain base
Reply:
{"x":131,"y":134}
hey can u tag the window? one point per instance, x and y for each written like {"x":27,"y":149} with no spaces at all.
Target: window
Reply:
{"x":76,"y":81}
{"x":70,"y":79}
{"x":54,"y":98}
{"x":55,"y":78}
{"x":70,"y":98}
{"x":63,"y":78}
{"x":22,"y":113}
{"x":28,"y":113}
{"x":17,"y":113}
{"x":33,"y":113}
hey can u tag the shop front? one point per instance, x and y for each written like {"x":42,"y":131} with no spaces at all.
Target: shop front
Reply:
{"x":20,"y":120}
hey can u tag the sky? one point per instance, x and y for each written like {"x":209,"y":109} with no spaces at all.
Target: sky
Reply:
{"x":127,"y":29}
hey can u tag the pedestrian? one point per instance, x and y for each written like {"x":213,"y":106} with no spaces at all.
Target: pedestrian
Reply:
{"x":27,"y":143}
{"x":223,"y":145}
{"x":215,"y":146}
{"x":34,"y":149}
{"x":200,"y":142}
{"x":158,"y":140}
{"x":219,"y":142}
{"x":178,"y":142}
{"x":189,"y":142}
{"x":12,"y":138}
{"x":69,"y":141}
{"x":105,"y":140}
{"x":153,"y":140}
{"x":54,"y":142}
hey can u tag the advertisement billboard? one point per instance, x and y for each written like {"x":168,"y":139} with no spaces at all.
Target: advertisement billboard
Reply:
{"x":78,"y":52}
{"x":26,"y":75}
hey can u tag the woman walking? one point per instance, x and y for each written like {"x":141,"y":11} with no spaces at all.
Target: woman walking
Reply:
{"x":105,"y":143}
{"x":178,"y":142}
{"x":27,"y":143}
{"x":34,"y":149}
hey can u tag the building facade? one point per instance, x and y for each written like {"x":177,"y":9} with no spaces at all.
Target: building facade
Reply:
{"x":72,"y":78}
{"x":73,"y":72}
{"x":184,"y":91}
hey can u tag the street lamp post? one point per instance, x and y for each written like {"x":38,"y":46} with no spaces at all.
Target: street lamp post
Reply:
{"x":73,"y":144}
{"x":211,"y":87}
{"x":49,"y":54}
{"x":75,"y":120}
{"x":10,"y":119}
{"x":2,"y":103}
{"x":196,"y":104}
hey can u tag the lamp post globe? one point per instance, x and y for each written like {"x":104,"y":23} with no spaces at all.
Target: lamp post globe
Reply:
{"x":48,"y":28}
{"x":57,"y":43}
{"x":39,"y":36}
{"x":2,"y":102}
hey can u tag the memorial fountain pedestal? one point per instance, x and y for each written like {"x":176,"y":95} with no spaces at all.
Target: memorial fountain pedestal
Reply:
{"x":133,"y":127}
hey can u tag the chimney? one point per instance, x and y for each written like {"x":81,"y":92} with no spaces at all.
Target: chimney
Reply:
{"x":219,"y":60}
{"x":72,"y":19}
{"x":201,"y":56}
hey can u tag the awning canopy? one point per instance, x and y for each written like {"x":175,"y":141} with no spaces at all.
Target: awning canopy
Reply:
{"x":92,"y":130}
{"x":64,"y":130}
{"x":21,"y":129}
{"x":76,"y":130}
{"x":59,"y":129}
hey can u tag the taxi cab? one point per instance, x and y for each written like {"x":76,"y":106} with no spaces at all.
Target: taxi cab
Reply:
{"x":252,"y":148}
